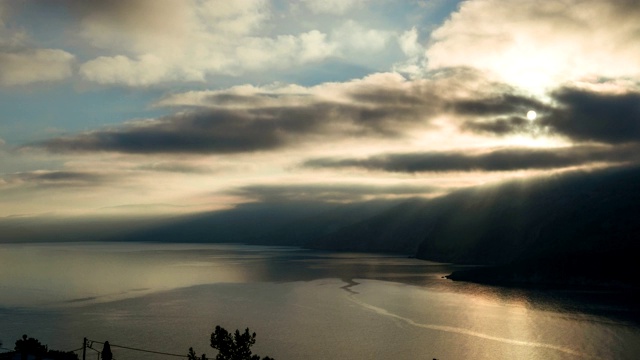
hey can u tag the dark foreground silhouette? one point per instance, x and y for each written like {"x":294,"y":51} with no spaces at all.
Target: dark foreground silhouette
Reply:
{"x":29,"y":347}
{"x":236,"y":346}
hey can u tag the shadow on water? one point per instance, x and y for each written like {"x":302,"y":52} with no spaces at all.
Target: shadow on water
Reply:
{"x":604,"y":305}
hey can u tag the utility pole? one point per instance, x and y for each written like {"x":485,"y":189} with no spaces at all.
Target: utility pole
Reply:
{"x":84,"y":349}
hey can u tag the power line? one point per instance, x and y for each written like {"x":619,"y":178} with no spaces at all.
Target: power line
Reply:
{"x":141,"y":350}
{"x":91,"y":342}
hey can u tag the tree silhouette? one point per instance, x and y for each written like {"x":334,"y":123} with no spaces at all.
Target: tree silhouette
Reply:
{"x":106,"y":352}
{"x":236,"y":346}
{"x":192,"y":355}
{"x":29,"y":347}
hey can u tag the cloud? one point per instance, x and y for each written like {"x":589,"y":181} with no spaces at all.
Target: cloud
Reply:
{"x":507,"y":159}
{"x":21,"y":63}
{"x":248,"y":119}
{"x":593,"y":116}
{"x":497,"y":104}
{"x":210,"y":131}
{"x":538,"y":45}
{"x":176,"y":167}
{"x":42,"y":178}
{"x":329,"y":192}
{"x":505,"y":126}
{"x":335,"y":7}
{"x":145,"y":42}
{"x":414,"y":50}
{"x":141,"y":43}
{"x":580,"y":114}
{"x":355,"y":37}
{"x":34,"y":66}
{"x":145,"y":70}
{"x":225,"y":131}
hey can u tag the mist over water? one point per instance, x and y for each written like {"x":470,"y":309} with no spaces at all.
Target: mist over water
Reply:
{"x":302,"y":304}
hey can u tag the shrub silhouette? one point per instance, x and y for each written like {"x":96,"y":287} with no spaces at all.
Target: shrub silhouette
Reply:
{"x":236,"y":346}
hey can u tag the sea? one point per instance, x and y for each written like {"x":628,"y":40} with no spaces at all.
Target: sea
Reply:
{"x":302,"y":304}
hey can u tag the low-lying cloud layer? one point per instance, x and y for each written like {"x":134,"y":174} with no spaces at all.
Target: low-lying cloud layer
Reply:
{"x":330,"y":192}
{"x":43,"y":178}
{"x":507,"y":159}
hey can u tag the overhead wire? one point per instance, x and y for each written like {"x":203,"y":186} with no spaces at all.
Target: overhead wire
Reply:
{"x":141,"y":350}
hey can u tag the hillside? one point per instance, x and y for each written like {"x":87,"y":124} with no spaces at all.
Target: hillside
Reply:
{"x":578,"y":212}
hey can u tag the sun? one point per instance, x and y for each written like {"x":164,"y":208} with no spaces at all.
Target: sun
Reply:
{"x":531,"y":115}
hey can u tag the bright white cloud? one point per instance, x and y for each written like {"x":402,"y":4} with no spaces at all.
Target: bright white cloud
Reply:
{"x":314,"y":46}
{"x":146,"y":70}
{"x":256,"y":53}
{"x":413,"y":66}
{"x":538,"y":45}
{"x":159,"y":41}
{"x":355,"y":37}
{"x":33,"y":66}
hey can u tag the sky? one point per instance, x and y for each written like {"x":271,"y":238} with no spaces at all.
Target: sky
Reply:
{"x":177,"y":106}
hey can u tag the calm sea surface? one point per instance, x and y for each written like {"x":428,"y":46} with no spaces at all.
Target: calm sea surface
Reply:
{"x":302,"y":304}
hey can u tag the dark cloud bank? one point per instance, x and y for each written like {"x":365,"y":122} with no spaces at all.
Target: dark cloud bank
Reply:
{"x":231,"y":123}
{"x":496,"y":160}
{"x":580,"y":115}
{"x":219,"y":131}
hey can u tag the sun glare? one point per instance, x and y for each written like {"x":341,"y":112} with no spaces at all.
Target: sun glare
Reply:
{"x":531,"y":115}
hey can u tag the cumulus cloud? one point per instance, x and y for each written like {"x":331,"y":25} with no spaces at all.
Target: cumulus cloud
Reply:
{"x":506,"y":159}
{"x":355,"y":37}
{"x":145,"y":70}
{"x":149,"y":42}
{"x":537,"y":45}
{"x":414,"y":50}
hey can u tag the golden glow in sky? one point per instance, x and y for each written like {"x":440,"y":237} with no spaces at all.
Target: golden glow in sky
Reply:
{"x":180,"y":106}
